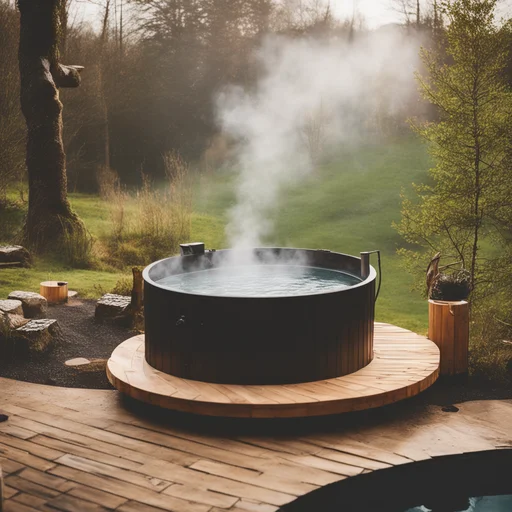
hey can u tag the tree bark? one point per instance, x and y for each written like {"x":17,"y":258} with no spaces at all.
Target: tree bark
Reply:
{"x":50,"y":220}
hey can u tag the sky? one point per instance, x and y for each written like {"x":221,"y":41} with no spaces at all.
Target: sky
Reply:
{"x":374,"y":12}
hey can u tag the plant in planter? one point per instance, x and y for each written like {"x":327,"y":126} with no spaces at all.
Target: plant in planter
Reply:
{"x":453,"y":285}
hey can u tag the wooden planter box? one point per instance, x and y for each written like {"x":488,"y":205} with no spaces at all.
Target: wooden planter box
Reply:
{"x":448,"y":328}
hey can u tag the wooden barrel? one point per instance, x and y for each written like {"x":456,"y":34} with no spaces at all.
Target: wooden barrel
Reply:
{"x":54,"y":291}
{"x":448,"y":328}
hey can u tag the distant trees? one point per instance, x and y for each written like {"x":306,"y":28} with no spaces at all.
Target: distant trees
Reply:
{"x":12,"y":131}
{"x":466,"y":210}
{"x":152,"y":78}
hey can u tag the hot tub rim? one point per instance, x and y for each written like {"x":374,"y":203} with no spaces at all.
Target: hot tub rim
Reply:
{"x":371,"y":277}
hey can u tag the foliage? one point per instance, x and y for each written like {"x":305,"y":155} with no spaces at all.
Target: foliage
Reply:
{"x":76,"y":247}
{"x":160,"y":217}
{"x":452,"y":286}
{"x":348,"y":205}
{"x":12,"y":133}
{"x":490,"y":355}
{"x":466,"y":206}
{"x":151,"y":80}
{"x":123,"y":286}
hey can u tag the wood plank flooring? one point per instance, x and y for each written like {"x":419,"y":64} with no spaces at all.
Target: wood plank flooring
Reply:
{"x":404,"y":365}
{"x":92,"y":450}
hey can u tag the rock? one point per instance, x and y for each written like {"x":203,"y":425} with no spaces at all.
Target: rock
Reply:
{"x":12,"y":307}
{"x":12,"y":254}
{"x":72,"y":294}
{"x":450,"y":408}
{"x":94,"y":365}
{"x":112,"y":306}
{"x":9,"y":322}
{"x":13,"y":321}
{"x":39,"y":335}
{"x":77,"y":361}
{"x":34,"y":305}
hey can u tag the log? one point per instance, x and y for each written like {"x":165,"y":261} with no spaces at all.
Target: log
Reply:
{"x":448,"y":328}
{"x":54,"y":291}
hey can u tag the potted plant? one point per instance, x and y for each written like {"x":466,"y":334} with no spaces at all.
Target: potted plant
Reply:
{"x":448,"y":314}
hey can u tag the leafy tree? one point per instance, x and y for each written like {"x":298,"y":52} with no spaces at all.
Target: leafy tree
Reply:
{"x":465,"y":209}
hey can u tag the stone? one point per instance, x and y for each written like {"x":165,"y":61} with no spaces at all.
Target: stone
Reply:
{"x":9,"y":322}
{"x":77,"y":361}
{"x":12,"y":254}
{"x":39,"y":335}
{"x":112,"y":306}
{"x":12,"y":307}
{"x":94,"y":365}
{"x":34,"y":305}
{"x":72,"y":294}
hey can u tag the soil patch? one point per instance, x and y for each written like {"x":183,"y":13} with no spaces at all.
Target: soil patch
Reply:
{"x":83,"y":336}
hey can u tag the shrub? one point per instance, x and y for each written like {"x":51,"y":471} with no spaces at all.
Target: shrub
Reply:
{"x":123,"y":286}
{"x":153,"y":222}
{"x":490,"y":352}
{"x":77,"y":247}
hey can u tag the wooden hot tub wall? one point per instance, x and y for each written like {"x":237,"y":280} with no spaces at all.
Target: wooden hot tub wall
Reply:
{"x":259,"y":340}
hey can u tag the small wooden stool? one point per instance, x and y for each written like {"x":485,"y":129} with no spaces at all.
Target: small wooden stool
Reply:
{"x":448,"y":328}
{"x":54,"y":291}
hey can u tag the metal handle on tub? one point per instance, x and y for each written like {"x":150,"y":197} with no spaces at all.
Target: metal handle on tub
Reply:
{"x":365,"y":268}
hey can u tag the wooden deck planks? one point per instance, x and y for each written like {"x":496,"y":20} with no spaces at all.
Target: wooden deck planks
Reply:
{"x":82,"y":450}
{"x":404,"y":365}
{"x":214,"y":473}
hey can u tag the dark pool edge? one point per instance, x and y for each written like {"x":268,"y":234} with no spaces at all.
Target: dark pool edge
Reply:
{"x":395,"y":489}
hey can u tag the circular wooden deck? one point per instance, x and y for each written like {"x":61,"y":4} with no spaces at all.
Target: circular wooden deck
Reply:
{"x":404,"y":365}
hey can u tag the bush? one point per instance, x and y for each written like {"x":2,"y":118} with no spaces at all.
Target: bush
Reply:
{"x":490,"y":353}
{"x":123,"y":286}
{"x":77,"y":247}
{"x":153,"y":222}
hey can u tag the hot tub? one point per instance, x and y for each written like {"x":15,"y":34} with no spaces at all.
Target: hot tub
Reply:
{"x":282,"y":331}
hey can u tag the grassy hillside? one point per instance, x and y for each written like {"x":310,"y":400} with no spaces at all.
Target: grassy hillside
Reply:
{"x":347,"y":206}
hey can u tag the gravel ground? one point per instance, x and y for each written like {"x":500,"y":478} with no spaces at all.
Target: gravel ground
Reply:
{"x":82,"y":336}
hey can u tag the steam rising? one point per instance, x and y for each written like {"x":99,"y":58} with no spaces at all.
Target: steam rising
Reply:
{"x":312,"y":98}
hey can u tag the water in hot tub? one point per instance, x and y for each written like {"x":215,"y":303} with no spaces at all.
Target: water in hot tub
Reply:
{"x":483,"y":504}
{"x":260,"y":281}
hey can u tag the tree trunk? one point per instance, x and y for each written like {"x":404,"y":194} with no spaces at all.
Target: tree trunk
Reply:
{"x":50,"y":220}
{"x":102,"y":87}
{"x":136,"y":309}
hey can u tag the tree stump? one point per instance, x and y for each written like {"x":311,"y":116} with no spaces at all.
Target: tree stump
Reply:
{"x":448,"y":328}
{"x":54,"y":291}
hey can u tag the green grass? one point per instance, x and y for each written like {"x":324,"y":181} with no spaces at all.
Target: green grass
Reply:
{"x":347,"y":206}
{"x":89,"y":283}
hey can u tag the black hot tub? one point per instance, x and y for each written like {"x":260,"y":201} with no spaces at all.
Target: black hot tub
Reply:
{"x":279,"y":339}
